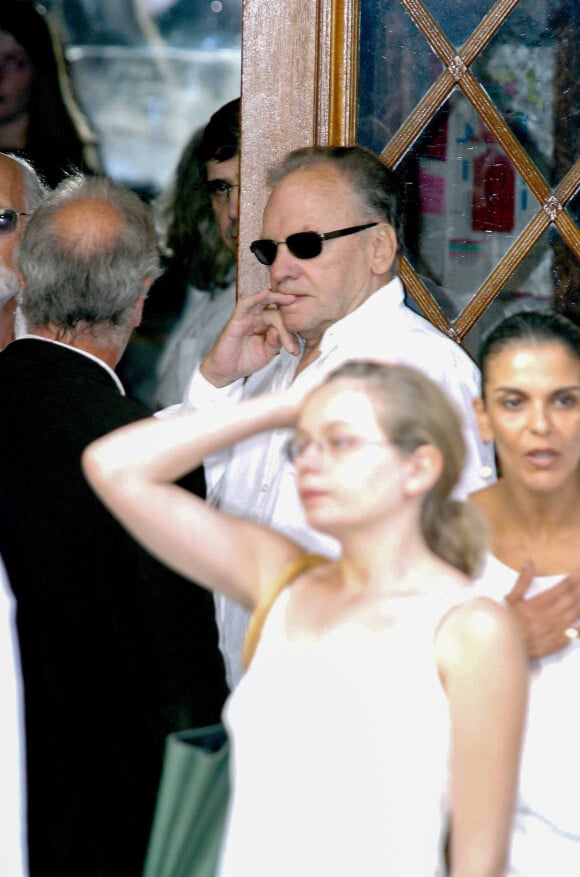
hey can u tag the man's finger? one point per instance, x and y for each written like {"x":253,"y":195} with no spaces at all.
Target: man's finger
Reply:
{"x":288,"y":340}
{"x":265,"y":298}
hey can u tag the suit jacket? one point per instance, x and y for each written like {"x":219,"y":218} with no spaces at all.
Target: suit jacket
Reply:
{"x":117,"y":651}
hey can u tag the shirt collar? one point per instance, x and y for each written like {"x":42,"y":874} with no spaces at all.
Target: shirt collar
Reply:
{"x":115,"y":377}
{"x":385,"y":302}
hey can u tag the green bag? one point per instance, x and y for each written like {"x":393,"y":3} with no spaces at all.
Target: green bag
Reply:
{"x":193,"y":795}
{"x":191,"y":805}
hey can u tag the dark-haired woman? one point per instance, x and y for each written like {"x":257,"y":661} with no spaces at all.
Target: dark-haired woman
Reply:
{"x":383,"y":697}
{"x":530,"y":408}
{"x":39,"y":118}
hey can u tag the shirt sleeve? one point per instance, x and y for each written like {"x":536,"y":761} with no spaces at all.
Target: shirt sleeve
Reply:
{"x":461,"y":384}
{"x":201,"y":395}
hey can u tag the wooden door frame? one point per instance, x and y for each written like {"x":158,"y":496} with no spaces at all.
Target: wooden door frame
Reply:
{"x":315,"y":101}
{"x":298,"y":89}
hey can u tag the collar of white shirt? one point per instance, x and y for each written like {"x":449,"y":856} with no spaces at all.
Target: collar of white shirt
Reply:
{"x":33,"y":337}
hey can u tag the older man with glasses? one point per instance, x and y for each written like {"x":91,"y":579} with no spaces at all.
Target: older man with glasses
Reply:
{"x":330,"y":238}
{"x":202,"y":239}
{"x":20,"y":193}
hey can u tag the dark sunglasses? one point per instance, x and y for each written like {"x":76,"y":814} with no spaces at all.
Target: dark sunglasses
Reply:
{"x":9,"y":219}
{"x":303,"y":244}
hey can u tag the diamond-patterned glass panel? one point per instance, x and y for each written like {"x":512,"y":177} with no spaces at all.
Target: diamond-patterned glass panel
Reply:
{"x":470,"y":200}
{"x":458,"y":18}
{"x":397,"y":67}
{"x":531,"y":70}
{"x":466,"y":203}
{"x":530,"y":288}
{"x":566,"y":278}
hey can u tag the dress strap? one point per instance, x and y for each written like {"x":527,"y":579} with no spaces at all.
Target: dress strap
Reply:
{"x":260,"y":613}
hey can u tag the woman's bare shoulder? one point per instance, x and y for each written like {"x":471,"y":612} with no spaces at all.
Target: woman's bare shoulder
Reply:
{"x":476,"y":630}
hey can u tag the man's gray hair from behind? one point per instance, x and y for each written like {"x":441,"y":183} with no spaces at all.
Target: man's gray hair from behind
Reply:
{"x":75,"y":283}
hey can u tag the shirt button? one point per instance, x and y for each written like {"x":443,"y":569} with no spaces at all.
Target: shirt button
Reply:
{"x":264,"y":488}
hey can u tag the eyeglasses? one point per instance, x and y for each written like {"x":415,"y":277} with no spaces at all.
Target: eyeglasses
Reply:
{"x":9,"y":219}
{"x":220,"y":190}
{"x":303,"y":244}
{"x":335,"y":447}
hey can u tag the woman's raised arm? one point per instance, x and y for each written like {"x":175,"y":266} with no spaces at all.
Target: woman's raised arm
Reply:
{"x":133,"y":471}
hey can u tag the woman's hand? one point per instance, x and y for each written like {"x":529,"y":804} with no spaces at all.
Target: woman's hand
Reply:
{"x":546,"y":619}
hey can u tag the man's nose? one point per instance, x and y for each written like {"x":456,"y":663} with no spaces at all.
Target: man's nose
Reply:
{"x":284,"y":265}
{"x":234,"y":203}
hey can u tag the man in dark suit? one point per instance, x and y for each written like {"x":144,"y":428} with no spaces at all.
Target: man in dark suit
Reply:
{"x":20,"y":193}
{"x":117,"y":651}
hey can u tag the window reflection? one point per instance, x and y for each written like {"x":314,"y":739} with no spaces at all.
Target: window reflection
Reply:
{"x":472,"y":203}
{"x":397,"y":67}
{"x":149,"y":72}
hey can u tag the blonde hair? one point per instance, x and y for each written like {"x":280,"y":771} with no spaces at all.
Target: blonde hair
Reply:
{"x":413,"y":411}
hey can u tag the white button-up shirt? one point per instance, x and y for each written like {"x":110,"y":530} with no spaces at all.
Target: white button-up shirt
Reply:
{"x":255,"y":480}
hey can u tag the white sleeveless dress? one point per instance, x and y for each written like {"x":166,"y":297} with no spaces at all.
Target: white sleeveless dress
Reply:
{"x":546,"y":834}
{"x":340,"y":749}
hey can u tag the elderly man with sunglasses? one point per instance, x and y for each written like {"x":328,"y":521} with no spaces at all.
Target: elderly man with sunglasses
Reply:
{"x":21,"y":191}
{"x":330,"y":239}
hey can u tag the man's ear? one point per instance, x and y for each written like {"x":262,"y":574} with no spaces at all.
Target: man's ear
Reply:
{"x":423,"y":470}
{"x":384,"y":249}
{"x":482,"y":417}
{"x":139,"y":308}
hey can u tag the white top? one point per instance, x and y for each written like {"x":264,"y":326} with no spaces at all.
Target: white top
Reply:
{"x":12,"y":749}
{"x":254,"y":479}
{"x":546,"y":837}
{"x":340,"y":745}
{"x":203,"y":318}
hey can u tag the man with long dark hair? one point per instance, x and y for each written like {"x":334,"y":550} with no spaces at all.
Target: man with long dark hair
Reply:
{"x":201,"y":242}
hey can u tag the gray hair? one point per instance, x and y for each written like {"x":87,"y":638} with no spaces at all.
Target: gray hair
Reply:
{"x":73,"y":283}
{"x":35,"y":190}
{"x":376,"y":186}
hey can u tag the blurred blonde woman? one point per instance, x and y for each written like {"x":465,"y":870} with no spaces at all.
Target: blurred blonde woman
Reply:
{"x":383,"y":698}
